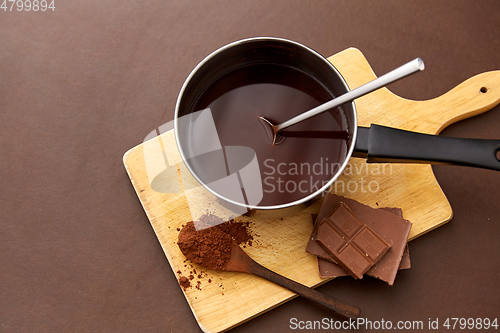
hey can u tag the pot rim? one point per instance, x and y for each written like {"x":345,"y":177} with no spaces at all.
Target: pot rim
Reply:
{"x":249,"y":40}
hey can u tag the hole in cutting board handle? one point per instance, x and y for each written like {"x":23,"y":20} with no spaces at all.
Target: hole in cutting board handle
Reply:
{"x":483,"y":90}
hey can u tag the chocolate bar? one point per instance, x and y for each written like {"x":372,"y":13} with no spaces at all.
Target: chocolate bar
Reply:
{"x":393,"y":229}
{"x":354,"y":245}
{"x":328,"y":269}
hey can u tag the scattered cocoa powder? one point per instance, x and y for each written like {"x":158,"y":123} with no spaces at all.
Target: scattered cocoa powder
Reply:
{"x":184,"y":282}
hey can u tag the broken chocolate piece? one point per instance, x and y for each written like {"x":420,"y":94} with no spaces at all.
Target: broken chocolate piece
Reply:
{"x":405,"y":259}
{"x":354,"y":245}
{"x":328,"y":269}
{"x":393,"y":229}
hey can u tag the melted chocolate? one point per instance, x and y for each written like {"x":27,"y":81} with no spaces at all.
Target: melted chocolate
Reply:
{"x":302,"y":163}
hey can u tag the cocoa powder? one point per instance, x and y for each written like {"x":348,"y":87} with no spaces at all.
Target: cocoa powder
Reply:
{"x":238,"y":231}
{"x":184,"y":282}
{"x":211,"y":247}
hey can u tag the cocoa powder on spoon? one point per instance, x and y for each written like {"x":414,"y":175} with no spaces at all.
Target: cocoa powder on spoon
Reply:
{"x":211,"y":247}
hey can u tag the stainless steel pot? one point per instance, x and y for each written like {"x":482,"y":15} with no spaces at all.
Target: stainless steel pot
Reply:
{"x":377,"y":143}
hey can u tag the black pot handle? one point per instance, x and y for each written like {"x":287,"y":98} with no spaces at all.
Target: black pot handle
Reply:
{"x":385,"y":144}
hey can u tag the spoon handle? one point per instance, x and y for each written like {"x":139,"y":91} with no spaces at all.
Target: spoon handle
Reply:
{"x":304,"y":291}
{"x":394,"y":75}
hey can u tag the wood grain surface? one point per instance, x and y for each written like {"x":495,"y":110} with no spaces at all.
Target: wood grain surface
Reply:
{"x":230,"y":299}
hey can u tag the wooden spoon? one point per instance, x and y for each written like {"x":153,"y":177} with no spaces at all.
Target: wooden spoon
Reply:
{"x":241,"y":262}
{"x":215,"y":249}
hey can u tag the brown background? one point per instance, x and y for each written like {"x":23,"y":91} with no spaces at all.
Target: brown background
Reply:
{"x":82,"y":85}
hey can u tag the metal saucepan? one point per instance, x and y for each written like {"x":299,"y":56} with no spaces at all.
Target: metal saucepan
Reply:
{"x":376,"y":143}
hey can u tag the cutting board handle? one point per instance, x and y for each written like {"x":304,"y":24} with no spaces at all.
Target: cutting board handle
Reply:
{"x":473,"y":96}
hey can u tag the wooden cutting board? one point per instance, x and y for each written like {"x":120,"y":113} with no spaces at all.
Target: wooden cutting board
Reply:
{"x":223,"y":300}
